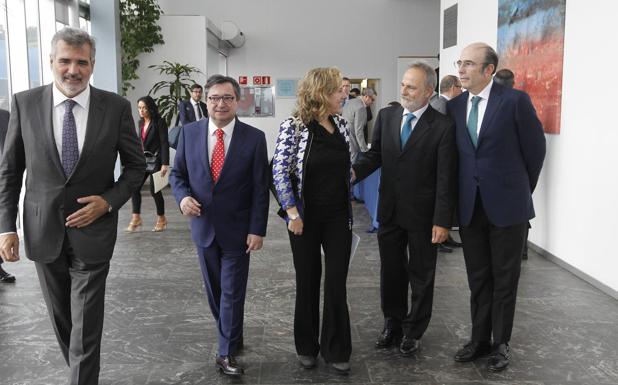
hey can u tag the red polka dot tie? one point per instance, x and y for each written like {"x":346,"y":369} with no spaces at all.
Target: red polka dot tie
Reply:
{"x":218,"y":156}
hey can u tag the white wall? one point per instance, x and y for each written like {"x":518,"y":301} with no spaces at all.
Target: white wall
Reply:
{"x":285,"y":38}
{"x":577,"y":198}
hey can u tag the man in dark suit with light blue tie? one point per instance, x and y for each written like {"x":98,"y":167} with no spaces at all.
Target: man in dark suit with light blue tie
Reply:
{"x":501,"y":151}
{"x":220,"y":179}
{"x":193,"y":109}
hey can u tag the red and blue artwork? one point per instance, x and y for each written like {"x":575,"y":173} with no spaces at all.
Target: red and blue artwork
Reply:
{"x":531,"y":44}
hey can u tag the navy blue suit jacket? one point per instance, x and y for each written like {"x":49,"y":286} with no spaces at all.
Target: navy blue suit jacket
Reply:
{"x":506,"y":164}
{"x":186,"y":113}
{"x":235,"y":206}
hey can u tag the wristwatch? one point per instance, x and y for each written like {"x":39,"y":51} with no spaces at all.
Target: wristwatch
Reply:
{"x":293,"y":217}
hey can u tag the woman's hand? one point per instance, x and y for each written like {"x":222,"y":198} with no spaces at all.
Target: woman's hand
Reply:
{"x":164,"y":169}
{"x":296,"y":226}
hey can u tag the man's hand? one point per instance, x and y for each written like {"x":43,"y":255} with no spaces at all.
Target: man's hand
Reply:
{"x":296,"y":226}
{"x":254,"y":242}
{"x":190,"y":207}
{"x":9,"y":247}
{"x":164,"y":169}
{"x":439,"y":234}
{"x":353,"y":175}
{"x":95,"y":207}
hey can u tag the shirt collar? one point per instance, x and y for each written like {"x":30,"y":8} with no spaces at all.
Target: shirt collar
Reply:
{"x":193,"y":102}
{"x":82,"y":98}
{"x":418,"y":113}
{"x":227,"y":129}
{"x":445,"y":97}
{"x":484,"y":94}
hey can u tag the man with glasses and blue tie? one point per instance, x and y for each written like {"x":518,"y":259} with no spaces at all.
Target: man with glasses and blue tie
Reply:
{"x":415,"y":146}
{"x":66,"y":136}
{"x":220,"y":180}
{"x":501,"y":151}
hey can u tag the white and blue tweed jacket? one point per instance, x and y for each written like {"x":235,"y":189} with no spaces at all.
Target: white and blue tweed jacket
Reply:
{"x":291,"y":151}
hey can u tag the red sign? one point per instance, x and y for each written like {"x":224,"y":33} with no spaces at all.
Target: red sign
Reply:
{"x":242,"y":80}
{"x":265,"y":80}
{"x":257,"y":80}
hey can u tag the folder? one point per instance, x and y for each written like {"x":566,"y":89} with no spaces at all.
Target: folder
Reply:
{"x":158,"y":181}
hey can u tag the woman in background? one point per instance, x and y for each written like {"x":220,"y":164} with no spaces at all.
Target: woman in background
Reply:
{"x":311,"y":174}
{"x":153,"y":135}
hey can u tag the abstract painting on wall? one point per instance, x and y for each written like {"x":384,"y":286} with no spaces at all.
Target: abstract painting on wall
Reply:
{"x":531,"y":44}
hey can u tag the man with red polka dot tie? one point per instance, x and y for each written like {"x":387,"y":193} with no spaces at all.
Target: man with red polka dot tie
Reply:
{"x":220,"y":179}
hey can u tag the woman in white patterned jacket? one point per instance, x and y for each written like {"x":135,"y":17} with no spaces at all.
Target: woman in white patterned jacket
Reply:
{"x":311,"y":174}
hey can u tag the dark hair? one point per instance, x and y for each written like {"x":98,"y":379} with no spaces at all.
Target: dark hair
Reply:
{"x":194,"y":86}
{"x":394,"y":103}
{"x":355,"y":91}
{"x":220,"y":79}
{"x":344,"y":78}
{"x":151,"y":106}
{"x":491,"y":57}
{"x":505,"y":77}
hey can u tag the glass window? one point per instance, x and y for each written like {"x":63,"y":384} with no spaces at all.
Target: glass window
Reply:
{"x":34,"y":43}
{"x":5,"y":84}
{"x":16,"y":18}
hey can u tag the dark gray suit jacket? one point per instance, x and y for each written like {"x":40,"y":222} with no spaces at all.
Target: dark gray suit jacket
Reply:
{"x":4,"y":126}
{"x":438,"y":102}
{"x":50,"y":197}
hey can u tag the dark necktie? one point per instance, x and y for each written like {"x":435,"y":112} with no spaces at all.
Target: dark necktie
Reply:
{"x":198,"y":111}
{"x":473,"y":120}
{"x":70,"y":151}
{"x":406,"y":130}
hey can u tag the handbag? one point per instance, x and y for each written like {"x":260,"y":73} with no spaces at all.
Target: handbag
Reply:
{"x":151,"y":161}
{"x":173,"y":135}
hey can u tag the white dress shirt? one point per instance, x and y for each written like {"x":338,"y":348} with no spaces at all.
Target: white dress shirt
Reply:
{"x":418,"y":113}
{"x":484,"y":94}
{"x":80,"y":112}
{"x":228,"y":130}
{"x":196,"y":108}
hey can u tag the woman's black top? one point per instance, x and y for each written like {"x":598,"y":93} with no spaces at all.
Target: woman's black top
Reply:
{"x":327,"y":168}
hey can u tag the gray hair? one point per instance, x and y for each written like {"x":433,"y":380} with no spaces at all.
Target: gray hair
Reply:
{"x":448,"y":82}
{"x":74,"y":37}
{"x":430,"y":73}
{"x":369,"y":92}
{"x":220,"y":79}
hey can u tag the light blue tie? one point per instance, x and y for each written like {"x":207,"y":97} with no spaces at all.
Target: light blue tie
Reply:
{"x":473,"y":120}
{"x":406,"y":130}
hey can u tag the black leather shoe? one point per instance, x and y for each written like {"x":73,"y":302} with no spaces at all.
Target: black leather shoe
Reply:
{"x":228,"y":365}
{"x":443,"y":249}
{"x":499,"y":359}
{"x":409,"y":345}
{"x":6,"y":277}
{"x":387,"y":338}
{"x":450,"y":242}
{"x":473,"y":350}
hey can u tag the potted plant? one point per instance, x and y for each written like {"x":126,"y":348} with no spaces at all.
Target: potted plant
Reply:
{"x":174,"y":90}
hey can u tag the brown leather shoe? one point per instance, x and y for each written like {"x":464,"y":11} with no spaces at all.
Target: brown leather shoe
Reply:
{"x":228,"y":366}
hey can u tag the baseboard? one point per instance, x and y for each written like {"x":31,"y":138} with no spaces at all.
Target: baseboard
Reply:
{"x":573,"y":270}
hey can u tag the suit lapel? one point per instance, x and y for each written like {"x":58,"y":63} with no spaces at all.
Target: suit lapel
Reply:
{"x":236,"y":144}
{"x":421,"y":128}
{"x":394,"y":125}
{"x":46,"y":119}
{"x":493,"y":105}
{"x":204,"y":138}
{"x":96,"y":112}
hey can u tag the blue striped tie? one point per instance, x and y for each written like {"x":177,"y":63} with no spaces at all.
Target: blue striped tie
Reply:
{"x":406,"y":130}
{"x":70,"y":151}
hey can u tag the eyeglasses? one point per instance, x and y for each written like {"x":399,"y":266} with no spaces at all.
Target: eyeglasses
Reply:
{"x":227,"y":99}
{"x":466,"y":64}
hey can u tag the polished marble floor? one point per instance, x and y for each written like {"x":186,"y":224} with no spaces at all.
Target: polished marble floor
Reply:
{"x":158,"y":329}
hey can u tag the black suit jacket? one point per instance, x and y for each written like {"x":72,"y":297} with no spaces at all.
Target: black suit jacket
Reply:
{"x":157,"y":142}
{"x":418,"y":183}
{"x":186,"y":113}
{"x":50,"y":197}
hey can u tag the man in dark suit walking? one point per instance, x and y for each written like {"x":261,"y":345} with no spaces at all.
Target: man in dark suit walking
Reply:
{"x":5,"y":277}
{"x":67,"y":136}
{"x":220,"y":180}
{"x":193,"y":109}
{"x":501,"y":151}
{"x":415,"y":145}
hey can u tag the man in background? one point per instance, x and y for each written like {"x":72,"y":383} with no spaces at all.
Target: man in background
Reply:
{"x":450,"y":87}
{"x":193,"y":109}
{"x":505,"y":77}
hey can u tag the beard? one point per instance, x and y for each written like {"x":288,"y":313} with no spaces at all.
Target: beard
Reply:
{"x":70,"y":89}
{"x":411,"y":105}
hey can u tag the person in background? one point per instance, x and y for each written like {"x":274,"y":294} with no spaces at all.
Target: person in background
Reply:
{"x":346,"y":90}
{"x":311,"y":174}
{"x":450,"y":87}
{"x":193,"y":109}
{"x":354,"y":93}
{"x":505,"y":77}
{"x":153,"y":135}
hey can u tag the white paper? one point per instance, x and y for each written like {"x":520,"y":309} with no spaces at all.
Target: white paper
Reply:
{"x":160,"y":181}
